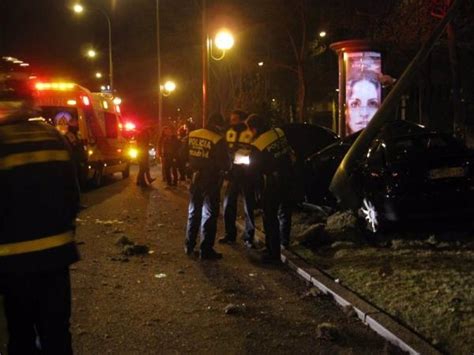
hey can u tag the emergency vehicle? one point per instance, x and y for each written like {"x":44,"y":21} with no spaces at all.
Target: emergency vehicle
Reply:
{"x":100,"y":126}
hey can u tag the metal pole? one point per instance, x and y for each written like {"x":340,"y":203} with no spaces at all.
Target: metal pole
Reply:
{"x":205,"y":64}
{"x":158,"y":62}
{"x":341,"y":184}
{"x":111,"y":64}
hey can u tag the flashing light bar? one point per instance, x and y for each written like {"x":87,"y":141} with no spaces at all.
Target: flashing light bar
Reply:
{"x":54,"y":86}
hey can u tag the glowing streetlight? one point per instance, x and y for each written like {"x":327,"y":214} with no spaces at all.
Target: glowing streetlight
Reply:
{"x":98,"y":75}
{"x":260,"y":64}
{"x":91,"y":53}
{"x":322,"y":34}
{"x":169,"y":86}
{"x":78,"y":8}
{"x":224,"y":40}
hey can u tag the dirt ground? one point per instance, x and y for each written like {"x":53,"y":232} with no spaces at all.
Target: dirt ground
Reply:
{"x":165,"y":302}
{"x":426,"y":281}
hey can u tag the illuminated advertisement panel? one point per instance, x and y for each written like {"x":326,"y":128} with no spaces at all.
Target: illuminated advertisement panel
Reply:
{"x":363,"y":89}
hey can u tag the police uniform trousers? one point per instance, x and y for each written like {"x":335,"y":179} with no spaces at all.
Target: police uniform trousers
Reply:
{"x":203,"y":210}
{"x":170,"y":167}
{"x":276,"y":213}
{"x":239,"y":183}
{"x":38,"y":304}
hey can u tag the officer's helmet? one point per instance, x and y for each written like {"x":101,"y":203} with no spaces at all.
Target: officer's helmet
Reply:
{"x":16,"y":91}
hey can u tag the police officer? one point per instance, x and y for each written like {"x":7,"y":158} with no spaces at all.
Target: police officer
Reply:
{"x":208,"y":159}
{"x":240,"y":180}
{"x":38,"y":206}
{"x":78,"y":150}
{"x":271,"y":157}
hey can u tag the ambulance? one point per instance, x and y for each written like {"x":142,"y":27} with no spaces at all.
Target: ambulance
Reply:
{"x":100,"y":126}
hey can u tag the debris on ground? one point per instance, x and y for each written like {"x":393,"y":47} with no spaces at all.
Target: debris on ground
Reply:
{"x":123,"y":240}
{"x":327,"y":331}
{"x":349,"y":311}
{"x":108,"y":222}
{"x":314,"y":235}
{"x":231,"y":309}
{"x":312,"y":292}
{"x":343,"y":226}
{"x":135,"y":249}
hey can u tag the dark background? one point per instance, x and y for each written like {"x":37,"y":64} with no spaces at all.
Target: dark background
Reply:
{"x":53,"y":39}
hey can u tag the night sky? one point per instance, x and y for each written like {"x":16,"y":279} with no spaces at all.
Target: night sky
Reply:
{"x":53,"y":39}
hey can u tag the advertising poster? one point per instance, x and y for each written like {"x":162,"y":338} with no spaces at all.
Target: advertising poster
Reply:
{"x":363,"y":89}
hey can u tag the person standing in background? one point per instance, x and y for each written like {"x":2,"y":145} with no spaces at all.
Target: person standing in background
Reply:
{"x":144,"y":178}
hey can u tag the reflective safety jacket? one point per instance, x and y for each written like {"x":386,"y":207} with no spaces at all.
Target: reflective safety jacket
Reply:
{"x":271,"y":153}
{"x":239,"y":139}
{"x":39,"y":198}
{"x":207,"y":152}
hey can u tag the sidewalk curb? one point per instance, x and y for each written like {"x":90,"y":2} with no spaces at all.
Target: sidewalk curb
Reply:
{"x":377,"y":320}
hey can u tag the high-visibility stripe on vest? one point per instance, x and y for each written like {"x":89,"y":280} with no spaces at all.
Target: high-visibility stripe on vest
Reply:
{"x":267,"y":138}
{"x":37,"y":244}
{"x":35,"y":157}
{"x":205,"y":134}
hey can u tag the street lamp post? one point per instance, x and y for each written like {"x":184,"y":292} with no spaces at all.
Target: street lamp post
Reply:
{"x":158,"y":62}
{"x":223,"y":41}
{"x":78,"y":8}
{"x":165,"y":90}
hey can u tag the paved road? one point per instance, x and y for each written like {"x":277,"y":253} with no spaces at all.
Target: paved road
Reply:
{"x":166,"y":302}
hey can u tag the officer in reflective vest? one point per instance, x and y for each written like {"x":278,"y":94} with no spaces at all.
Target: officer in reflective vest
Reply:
{"x":39,"y":200}
{"x":271,"y":157}
{"x":241,"y":180}
{"x":208,"y":159}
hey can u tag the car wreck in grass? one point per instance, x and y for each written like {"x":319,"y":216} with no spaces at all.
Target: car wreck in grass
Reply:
{"x":407,"y":174}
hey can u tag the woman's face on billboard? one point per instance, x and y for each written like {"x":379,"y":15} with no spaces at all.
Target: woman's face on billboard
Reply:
{"x":362,"y":104}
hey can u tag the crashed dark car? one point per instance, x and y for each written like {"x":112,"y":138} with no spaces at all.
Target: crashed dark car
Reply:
{"x":409,"y":174}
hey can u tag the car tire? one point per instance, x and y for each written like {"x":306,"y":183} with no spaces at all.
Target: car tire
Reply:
{"x":370,"y":217}
{"x":126,"y":172}
{"x":98,"y":176}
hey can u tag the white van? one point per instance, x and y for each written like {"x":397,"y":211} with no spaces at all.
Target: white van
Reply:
{"x":100,"y":126}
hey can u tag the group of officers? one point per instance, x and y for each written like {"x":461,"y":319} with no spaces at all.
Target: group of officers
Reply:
{"x":39,"y":202}
{"x":251,"y":158}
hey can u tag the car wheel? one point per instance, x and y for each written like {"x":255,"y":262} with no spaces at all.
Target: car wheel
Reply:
{"x":126,"y":172}
{"x":370,"y":215}
{"x":98,"y":176}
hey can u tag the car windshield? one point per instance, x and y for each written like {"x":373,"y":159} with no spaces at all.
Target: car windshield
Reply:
{"x":403,"y":148}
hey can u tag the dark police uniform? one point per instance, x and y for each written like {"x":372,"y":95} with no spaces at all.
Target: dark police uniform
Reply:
{"x":271,"y":157}
{"x":39,"y":201}
{"x":208,"y":158}
{"x":241,"y":181}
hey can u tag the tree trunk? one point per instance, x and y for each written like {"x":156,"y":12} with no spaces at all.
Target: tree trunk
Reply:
{"x":458,"y":119}
{"x":300,"y":100}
